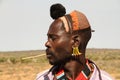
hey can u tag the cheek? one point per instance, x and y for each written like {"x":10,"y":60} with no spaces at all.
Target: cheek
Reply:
{"x":64,"y":47}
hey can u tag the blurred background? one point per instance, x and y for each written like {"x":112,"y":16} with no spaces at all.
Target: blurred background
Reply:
{"x":24,"y":25}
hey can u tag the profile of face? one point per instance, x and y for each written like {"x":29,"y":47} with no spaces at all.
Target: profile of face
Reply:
{"x":59,"y":43}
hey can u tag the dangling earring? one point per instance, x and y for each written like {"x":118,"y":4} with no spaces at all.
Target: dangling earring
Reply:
{"x":76,"y":51}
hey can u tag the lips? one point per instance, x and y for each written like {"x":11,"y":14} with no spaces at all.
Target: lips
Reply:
{"x":49,"y":54}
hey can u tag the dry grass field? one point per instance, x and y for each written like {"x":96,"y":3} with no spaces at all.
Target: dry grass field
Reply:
{"x":12,"y":67}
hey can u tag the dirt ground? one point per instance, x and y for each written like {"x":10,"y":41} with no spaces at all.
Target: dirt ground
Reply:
{"x":20,"y":71}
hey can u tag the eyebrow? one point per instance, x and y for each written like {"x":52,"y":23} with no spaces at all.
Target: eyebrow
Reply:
{"x":51,"y":35}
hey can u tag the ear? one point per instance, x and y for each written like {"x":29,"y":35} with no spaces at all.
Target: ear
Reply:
{"x":76,"y":40}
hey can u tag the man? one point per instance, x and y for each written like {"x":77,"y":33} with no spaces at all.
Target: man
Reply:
{"x":68,"y":37}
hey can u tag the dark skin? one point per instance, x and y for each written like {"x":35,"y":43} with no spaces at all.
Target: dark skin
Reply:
{"x":59,"y":48}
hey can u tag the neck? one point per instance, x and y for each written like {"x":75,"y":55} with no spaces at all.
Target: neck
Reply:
{"x":74,"y":67}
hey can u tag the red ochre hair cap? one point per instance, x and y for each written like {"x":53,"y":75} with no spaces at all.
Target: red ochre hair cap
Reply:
{"x":78,"y":21}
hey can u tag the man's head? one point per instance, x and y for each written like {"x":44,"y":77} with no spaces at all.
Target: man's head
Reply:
{"x":67,"y":31}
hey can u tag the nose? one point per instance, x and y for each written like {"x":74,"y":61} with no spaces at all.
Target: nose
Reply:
{"x":47,"y":44}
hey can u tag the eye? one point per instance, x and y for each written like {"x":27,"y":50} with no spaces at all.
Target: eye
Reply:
{"x":53,"y":38}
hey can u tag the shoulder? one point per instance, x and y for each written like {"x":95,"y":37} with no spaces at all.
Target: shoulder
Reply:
{"x":41,"y":75}
{"x":45,"y":75}
{"x":105,"y":75}
{"x":100,"y":73}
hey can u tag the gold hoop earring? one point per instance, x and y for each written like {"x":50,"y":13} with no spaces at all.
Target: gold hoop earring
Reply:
{"x":76,"y":51}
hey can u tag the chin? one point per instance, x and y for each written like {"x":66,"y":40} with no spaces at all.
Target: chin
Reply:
{"x":56,"y":62}
{"x":51,"y":62}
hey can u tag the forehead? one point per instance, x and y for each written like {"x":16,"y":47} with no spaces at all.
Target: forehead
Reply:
{"x":56,"y":27}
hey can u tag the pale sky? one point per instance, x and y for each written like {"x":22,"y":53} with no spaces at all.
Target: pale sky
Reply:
{"x":24,"y":23}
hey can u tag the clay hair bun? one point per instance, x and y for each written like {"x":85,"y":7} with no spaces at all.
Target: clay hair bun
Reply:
{"x":57,"y":10}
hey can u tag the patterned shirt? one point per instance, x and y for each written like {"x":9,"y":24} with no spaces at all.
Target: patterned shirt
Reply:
{"x":96,"y":75}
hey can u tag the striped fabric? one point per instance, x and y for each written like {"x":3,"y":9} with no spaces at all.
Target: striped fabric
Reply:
{"x":46,"y":75}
